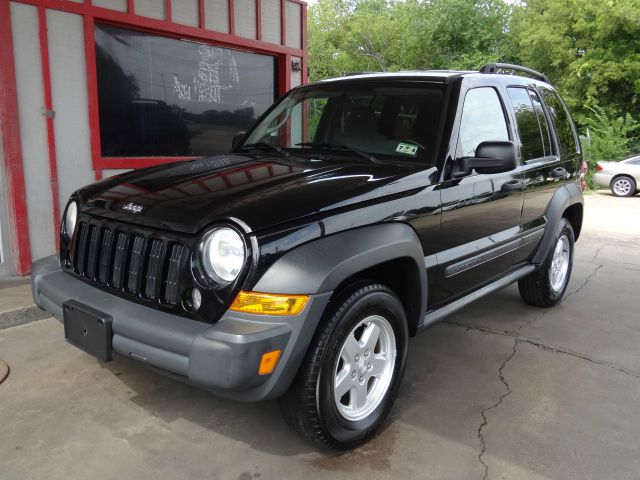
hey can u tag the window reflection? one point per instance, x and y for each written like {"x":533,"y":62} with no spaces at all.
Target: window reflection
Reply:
{"x":528,"y":124}
{"x":482,"y":120}
{"x":161,"y":96}
{"x":561,"y":121}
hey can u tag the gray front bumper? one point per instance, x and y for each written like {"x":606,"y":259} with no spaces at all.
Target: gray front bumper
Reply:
{"x":222,"y":357}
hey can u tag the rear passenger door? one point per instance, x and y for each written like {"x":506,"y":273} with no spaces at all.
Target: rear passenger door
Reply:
{"x":548,"y":145}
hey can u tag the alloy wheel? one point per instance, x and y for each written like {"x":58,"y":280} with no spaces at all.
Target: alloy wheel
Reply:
{"x":364,"y":368}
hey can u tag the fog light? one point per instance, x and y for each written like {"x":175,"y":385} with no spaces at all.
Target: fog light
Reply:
{"x":196,"y":299}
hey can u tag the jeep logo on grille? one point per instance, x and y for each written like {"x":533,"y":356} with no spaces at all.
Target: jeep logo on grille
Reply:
{"x":132,"y":207}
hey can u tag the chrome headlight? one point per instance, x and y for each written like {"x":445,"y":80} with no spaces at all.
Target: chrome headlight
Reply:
{"x":222,"y":253}
{"x":69,"y":220}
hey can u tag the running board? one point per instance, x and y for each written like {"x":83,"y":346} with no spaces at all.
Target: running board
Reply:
{"x":436,"y":315}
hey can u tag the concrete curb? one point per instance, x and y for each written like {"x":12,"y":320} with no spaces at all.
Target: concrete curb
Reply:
{"x":21,"y":316}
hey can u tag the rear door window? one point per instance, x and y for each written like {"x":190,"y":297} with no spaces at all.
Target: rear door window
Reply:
{"x":561,"y":122}
{"x":542,"y":121}
{"x":533,"y":146}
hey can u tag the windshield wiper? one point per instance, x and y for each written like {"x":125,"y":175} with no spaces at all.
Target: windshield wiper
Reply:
{"x":323,"y":145}
{"x":261,"y":145}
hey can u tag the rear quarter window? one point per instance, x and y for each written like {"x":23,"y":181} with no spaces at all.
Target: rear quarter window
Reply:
{"x":562,"y":123}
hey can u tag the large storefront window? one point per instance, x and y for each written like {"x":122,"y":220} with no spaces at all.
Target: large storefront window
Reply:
{"x":161,"y":96}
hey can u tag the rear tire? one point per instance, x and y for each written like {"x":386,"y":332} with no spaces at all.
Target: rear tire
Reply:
{"x":350,"y":376}
{"x":623,"y":186}
{"x":546,"y":286}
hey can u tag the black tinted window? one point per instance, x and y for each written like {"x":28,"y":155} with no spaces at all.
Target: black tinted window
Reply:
{"x":162,"y":96}
{"x":528,"y":124}
{"x":542,"y":121}
{"x":391,"y":122}
{"x":561,"y":122}
{"x":482,"y":120}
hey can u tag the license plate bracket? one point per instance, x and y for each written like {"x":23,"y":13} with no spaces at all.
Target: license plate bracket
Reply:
{"x":88,"y":329}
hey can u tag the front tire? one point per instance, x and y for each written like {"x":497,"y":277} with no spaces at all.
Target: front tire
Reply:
{"x":350,"y":376}
{"x":623,"y":186}
{"x":546,"y":286}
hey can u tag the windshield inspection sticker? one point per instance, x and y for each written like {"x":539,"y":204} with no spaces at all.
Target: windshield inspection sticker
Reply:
{"x":407,"y":148}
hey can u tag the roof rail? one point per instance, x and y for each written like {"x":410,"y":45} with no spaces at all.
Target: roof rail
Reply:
{"x":494,"y":67}
{"x":351,"y":74}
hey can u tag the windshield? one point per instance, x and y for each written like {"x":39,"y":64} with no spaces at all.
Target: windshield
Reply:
{"x":398,"y":122}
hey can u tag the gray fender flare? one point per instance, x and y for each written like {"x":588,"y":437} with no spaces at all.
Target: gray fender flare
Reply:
{"x":564,"y":197}
{"x":323,"y":264}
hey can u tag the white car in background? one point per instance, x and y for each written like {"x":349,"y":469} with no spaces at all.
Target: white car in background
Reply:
{"x":623,"y":178}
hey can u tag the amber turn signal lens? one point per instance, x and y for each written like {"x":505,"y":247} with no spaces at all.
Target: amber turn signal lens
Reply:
{"x":268,"y":362}
{"x":269,"y":303}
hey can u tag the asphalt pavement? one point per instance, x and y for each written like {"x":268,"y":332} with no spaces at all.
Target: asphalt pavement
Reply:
{"x":500,"y":390}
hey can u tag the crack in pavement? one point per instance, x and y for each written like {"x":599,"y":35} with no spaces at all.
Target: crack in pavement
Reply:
{"x":517,"y":340}
{"x":586,"y":281}
{"x":577,"y":290}
{"x":549,"y":348}
{"x":485,"y":421}
{"x":597,"y":253}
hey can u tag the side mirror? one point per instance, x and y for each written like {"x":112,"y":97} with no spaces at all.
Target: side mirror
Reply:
{"x":492,"y":157}
{"x":236,"y":139}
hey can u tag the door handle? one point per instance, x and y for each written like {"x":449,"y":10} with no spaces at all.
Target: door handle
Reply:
{"x":558,"y":172}
{"x":512,"y":185}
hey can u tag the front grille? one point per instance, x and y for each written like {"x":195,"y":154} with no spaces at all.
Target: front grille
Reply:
{"x":130,"y":262}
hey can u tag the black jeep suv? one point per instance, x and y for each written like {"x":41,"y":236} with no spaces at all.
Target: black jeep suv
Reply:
{"x":356,"y":212}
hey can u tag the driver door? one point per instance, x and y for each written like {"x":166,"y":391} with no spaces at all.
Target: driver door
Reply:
{"x":480,"y":212}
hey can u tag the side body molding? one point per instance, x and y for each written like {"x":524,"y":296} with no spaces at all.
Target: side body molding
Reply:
{"x":564,"y":197}
{"x":321,"y":265}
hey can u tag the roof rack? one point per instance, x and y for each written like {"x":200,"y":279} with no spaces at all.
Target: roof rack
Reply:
{"x":494,"y":67}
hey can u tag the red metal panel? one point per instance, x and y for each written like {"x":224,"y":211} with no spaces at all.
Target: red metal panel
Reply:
{"x":284,"y":74}
{"x":13,"y":165}
{"x":259,"y":19}
{"x":163,"y":27}
{"x":48,"y":105}
{"x":167,"y":10}
{"x":232,"y":17}
{"x":283,"y":25}
{"x":201,"y":14}
{"x":92,"y":94}
{"x":305,"y":68}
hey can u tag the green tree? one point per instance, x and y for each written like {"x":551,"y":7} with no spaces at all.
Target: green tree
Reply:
{"x":380,"y":35}
{"x":590,"y":50}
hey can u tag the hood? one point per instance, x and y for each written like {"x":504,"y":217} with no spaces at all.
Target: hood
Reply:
{"x":256,"y":192}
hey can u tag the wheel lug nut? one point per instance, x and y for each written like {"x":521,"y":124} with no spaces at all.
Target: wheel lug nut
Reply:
{"x":366,"y":353}
{"x":361,"y":378}
{"x":354,"y":374}
{"x":369,"y":366}
{"x":357,"y":357}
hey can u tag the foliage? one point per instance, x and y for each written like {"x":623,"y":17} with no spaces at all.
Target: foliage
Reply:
{"x":589,"y":48}
{"x":609,"y":138}
{"x":379,"y":35}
